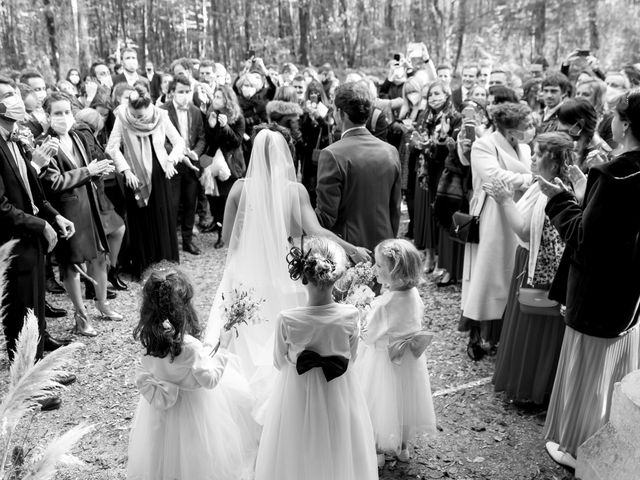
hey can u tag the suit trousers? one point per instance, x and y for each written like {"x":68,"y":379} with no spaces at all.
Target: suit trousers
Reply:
{"x":184,"y":186}
{"x":25,"y":289}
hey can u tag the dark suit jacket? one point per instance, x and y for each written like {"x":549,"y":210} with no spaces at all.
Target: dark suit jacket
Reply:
{"x":196,"y":141}
{"x":456,"y":98}
{"x":122,"y":79}
{"x":155,"y":83}
{"x":17,"y":219}
{"x":598,"y":277}
{"x":71,"y":191}
{"x":358,"y":190}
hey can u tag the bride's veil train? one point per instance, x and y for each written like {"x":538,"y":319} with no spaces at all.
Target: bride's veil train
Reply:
{"x":269,"y":212}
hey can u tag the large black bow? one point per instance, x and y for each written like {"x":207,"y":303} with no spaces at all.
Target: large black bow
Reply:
{"x":332,"y":366}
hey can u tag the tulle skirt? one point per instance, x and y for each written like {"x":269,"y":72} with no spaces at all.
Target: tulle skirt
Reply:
{"x":206,"y":435}
{"x":398,"y":396}
{"x":587,"y":371}
{"x":316,"y":430}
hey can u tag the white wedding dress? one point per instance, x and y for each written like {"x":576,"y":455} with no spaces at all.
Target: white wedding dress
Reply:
{"x":269,"y":213}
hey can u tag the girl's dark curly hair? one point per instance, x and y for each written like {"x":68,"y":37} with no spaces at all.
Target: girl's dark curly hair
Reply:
{"x":167,"y":314}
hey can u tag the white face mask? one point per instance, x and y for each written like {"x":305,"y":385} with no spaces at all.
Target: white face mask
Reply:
{"x":525,"y":137}
{"x":130,"y":64}
{"x":248,"y":91}
{"x":14,"y":108}
{"x":181,"y":99}
{"x":62,"y":124}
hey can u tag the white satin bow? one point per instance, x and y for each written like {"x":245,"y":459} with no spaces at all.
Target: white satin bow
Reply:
{"x":160,"y":394}
{"x":417,"y":343}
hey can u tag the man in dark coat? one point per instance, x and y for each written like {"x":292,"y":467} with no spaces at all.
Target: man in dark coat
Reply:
{"x":358,"y":190}
{"x":188,"y":121}
{"x":25,"y":216}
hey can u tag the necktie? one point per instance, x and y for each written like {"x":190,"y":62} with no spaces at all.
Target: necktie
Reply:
{"x":22,"y":168}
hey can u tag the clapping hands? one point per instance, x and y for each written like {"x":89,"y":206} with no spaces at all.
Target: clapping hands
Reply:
{"x":499,"y":190}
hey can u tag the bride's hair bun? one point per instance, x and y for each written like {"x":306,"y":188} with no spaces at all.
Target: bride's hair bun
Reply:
{"x":322,"y":263}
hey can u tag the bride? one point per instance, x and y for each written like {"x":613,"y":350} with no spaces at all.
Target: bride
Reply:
{"x":263,"y":211}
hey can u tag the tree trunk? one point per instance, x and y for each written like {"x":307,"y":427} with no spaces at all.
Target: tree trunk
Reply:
{"x":53,"y":41}
{"x":594,"y":36}
{"x":247,"y":24}
{"x":539,"y":9}
{"x":304,"y":17}
{"x":462,"y":23}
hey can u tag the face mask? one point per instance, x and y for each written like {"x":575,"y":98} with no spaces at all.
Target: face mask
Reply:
{"x":248,"y":92}
{"x":181,"y":99}
{"x":13,"y":108}
{"x":62,"y":125}
{"x":414,"y":98}
{"x":131,"y":65}
{"x":436,"y":104}
{"x":612,"y":94}
{"x":524,"y":137}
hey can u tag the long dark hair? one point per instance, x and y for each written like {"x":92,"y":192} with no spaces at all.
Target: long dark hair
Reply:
{"x":167,"y":314}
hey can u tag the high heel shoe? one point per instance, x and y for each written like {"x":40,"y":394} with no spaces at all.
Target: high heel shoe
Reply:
{"x":83,"y":327}
{"x":114,"y":278}
{"x":106,"y":312}
{"x":90,"y":291}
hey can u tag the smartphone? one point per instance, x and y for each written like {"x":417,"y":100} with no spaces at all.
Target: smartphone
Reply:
{"x":469,"y":122}
{"x":583,"y":53}
{"x":250,"y":54}
{"x":396,"y":57}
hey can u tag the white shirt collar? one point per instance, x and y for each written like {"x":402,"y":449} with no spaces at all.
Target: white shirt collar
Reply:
{"x":350,"y":130}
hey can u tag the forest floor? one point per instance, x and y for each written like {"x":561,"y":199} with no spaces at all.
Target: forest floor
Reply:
{"x":480,"y":435}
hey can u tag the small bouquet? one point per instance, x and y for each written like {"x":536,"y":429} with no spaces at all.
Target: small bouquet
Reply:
{"x":355,"y":288}
{"x":361,"y":274}
{"x":239,"y":307}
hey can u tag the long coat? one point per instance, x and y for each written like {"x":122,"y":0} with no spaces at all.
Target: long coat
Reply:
{"x":488,"y":265}
{"x":598,"y":275}
{"x":72,"y":193}
{"x":25,"y":277}
{"x":358,"y":191}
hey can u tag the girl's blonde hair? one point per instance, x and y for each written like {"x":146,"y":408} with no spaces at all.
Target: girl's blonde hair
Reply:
{"x":405,"y":261}
{"x":320,"y":261}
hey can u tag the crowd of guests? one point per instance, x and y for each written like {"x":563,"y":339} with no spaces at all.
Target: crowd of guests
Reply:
{"x":546,"y":161}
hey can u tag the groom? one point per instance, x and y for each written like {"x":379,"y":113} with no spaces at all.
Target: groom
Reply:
{"x":358,"y":176}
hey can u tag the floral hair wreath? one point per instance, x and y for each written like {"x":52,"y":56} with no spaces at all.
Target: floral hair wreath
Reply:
{"x":297,"y":259}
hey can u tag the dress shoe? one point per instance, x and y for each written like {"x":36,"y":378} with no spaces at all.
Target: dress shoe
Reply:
{"x":53,"y":286}
{"x":90,"y":292}
{"x":65,"y":379}
{"x":107,"y":313}
{"x":53,"y":312}
{"x":83,"y":327}
{"x":189,"y":247}
{"x":51,"y":344}
{"x":563,"y":458}
{"x":47,"y":404}
{"x":113,"y":275}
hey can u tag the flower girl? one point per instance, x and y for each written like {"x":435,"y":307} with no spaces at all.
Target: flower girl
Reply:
{"x":189,"y":423}
{"x":391,"y":367}
{"x":318,"y":426}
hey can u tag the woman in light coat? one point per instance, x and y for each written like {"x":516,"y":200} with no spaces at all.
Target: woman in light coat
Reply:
{"x":488,"y":265}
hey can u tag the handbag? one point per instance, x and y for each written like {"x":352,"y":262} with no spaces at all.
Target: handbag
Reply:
{"x":536,"y":301}
{"x":315,"y":154}
{"x":465,"y":228}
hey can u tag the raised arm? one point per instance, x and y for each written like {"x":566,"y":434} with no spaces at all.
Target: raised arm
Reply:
{"x":311,"y":226}
{"x":484,"y":162}
{"x":113,"y":147}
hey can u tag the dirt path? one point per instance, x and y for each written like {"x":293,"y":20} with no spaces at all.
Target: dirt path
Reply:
{"x":480,"y":435}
